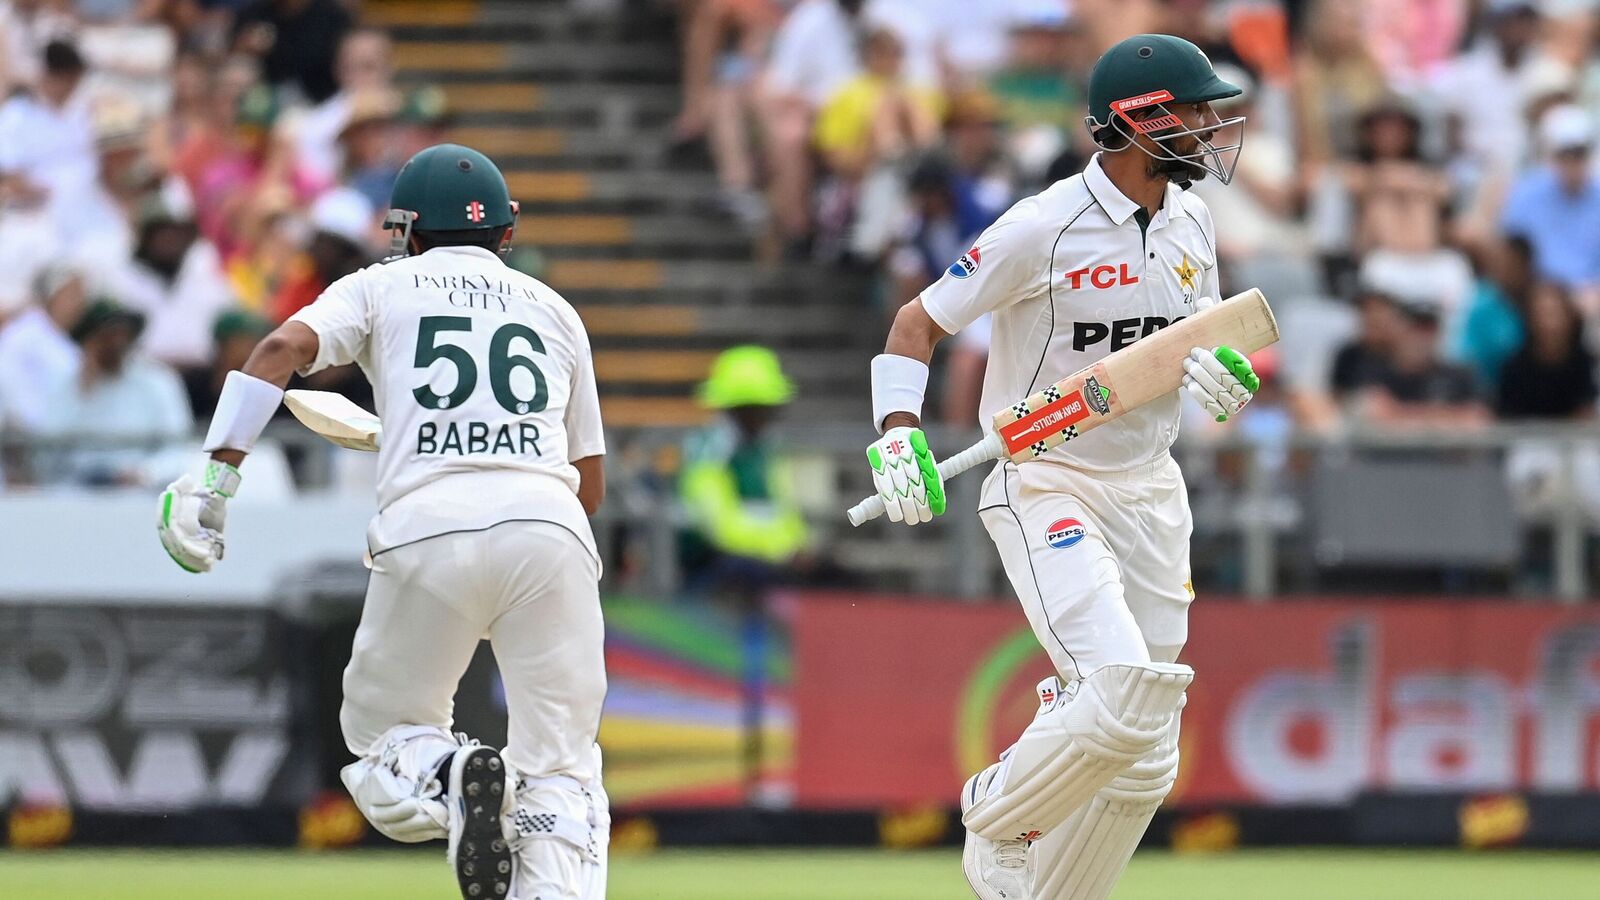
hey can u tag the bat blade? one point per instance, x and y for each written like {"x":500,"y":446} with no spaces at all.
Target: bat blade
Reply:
{"x":1130,"y":377}
{"x":1096,"y":394}
{"x":335,"y":418}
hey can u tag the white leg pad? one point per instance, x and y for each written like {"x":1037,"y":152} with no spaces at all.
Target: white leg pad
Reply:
{"x":1076,"y":747}
{"x":560,"y":829}
{"x":1084,"y":858}
{"x":393,"y":783}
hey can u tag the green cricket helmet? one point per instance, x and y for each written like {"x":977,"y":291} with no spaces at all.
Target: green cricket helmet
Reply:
{"x":1131,"y":85}
{"x":448,"y":187}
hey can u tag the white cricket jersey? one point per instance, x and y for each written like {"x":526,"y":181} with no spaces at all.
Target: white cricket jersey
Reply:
{"x":484,"y":383}
{"x":1070,"y":277}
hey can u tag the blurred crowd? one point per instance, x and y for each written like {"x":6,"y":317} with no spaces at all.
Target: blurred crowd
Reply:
{"x":1416,"y":194}
{"x":176,"y":177}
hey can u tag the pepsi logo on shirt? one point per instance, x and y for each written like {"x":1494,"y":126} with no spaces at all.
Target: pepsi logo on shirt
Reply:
{"x":966,"y":265}
{"x":1064,"y":533}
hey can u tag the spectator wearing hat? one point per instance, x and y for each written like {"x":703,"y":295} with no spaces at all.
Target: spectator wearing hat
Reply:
{"x":234,"y":334}
{"x":121,"y":406}
{"x":367,"y":144}
{"x":1556,"y":207}
{"x":985,"y":180}
{"x":343,"y":229}
{"x":425,"y":120}
{"x":175,"y":279}
{"x":36,"y":351}
{"x":744,"y":522}
{"x":124,"y":177}
{"x":127,"y":177}
{"x":342,"y":223}
{"x":1399,"y":197}
{"x":1390,"y":206}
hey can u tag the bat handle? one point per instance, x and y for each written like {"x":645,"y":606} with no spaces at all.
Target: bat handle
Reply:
{"x":983,"y":451}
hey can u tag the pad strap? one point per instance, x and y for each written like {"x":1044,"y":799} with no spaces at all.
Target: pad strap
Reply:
{"x":898,"y":385}
{"x":537,"y":818}
{"x":246,"y":405}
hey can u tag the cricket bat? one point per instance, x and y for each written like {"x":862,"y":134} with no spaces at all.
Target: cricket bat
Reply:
{"x":1097,"y":394}
{"x":334,"y":417}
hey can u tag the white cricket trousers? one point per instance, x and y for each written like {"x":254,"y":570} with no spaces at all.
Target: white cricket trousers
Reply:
{"x":1100,"y":560}
{"x":532,"y":589}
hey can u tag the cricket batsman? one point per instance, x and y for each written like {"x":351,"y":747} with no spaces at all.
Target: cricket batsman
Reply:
{"x":1094,"y":535}
{"x":489,"y":467}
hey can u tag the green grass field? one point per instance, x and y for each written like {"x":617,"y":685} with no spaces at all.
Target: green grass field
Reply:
{"x":800,"y":875}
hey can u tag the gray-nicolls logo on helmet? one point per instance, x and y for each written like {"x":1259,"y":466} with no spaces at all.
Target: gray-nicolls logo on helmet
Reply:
{"x":450,"y":195}
{"x":1153,"y":92}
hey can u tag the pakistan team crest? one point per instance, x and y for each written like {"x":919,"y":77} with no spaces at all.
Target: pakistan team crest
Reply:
{"x":1188,"y":279}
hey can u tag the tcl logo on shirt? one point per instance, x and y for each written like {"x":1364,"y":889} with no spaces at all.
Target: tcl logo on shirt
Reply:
{"x":1121,"y":332}
{"x":1100,"y":277}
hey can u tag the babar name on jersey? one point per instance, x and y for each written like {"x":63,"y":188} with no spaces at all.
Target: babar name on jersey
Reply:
{"x":475,"y":438}
{"x":475,"y":291}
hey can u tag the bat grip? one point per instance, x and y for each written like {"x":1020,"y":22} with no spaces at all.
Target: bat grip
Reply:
{"x":983,"y":451}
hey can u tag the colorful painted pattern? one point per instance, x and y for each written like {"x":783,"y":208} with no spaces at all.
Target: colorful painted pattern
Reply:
{"x":674,"y":730}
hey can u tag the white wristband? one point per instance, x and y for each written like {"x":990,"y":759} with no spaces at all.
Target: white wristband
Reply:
{"x":898,"y":385}
{"x":243,"y":410}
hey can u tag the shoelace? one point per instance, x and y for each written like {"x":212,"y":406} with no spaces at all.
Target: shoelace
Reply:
{"x":1011,"y":854}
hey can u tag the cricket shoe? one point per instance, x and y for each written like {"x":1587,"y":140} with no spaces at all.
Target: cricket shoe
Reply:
{"x":1003,"y":870}
{"x":997,"y":870}
{"x":478,"y":850}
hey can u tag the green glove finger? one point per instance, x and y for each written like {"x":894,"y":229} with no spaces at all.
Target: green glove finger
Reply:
{"x":166,"y":522}
{"x":930,"y":472}
{"x":875,"y":458}
{"x":1239,"y":367}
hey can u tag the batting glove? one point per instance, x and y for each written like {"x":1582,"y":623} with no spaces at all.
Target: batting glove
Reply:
{"x":192,"y":515}
{"x":906,"y":476}
{"x":1221,"y":380}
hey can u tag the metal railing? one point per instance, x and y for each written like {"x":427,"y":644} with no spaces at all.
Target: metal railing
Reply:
{"x":1506,"y":509}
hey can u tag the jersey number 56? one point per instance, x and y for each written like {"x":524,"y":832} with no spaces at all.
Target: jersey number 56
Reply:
{"x":502,"y":362}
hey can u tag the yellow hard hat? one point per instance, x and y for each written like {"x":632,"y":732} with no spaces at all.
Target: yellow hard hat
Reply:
{"x":746,"y":376}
